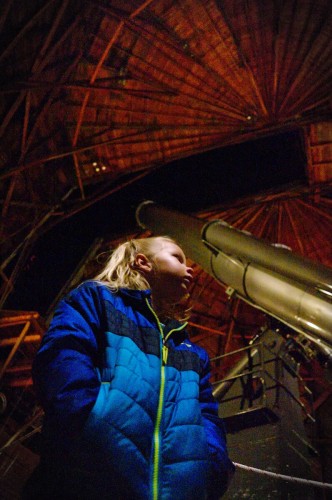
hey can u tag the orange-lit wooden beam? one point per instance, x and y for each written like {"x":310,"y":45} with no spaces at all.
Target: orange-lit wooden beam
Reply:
{"x":16,"y":346}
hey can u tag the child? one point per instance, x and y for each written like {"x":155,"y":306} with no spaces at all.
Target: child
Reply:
{"x":129,"y":412}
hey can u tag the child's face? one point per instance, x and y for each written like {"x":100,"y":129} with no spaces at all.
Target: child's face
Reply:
{"x":170,"y":277}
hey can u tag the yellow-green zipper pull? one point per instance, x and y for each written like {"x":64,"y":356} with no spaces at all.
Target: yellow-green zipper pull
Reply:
{"x":165,"y":354}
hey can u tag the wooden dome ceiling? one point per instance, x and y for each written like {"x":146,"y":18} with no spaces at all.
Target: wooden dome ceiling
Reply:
{"x":96,"y":94}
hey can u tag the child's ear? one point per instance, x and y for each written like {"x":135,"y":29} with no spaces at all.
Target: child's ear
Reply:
{"x":142,"y":263}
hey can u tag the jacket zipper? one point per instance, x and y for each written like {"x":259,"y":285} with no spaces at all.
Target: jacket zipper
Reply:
{"x":156,"y":433}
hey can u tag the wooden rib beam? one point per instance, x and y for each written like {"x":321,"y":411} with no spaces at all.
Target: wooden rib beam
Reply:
{"x":18,"y":342}
{"x":28,"y":339}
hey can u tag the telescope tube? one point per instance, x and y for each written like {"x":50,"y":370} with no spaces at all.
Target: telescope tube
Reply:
{"x":291,"y":288}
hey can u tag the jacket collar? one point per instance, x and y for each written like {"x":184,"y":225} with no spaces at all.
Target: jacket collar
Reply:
{"x":139,"y":295}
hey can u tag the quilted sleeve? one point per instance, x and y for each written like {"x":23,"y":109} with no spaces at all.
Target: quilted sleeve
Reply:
{"x":64,"y":370}
{"x":222,"y":469}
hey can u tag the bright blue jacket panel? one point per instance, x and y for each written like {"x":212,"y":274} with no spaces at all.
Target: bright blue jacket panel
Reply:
{"x":99,"y":374}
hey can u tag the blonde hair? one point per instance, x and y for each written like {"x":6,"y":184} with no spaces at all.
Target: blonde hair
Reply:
{"x":120,"y":271}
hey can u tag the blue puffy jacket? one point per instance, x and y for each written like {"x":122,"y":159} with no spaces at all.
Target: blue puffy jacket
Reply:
{"x":129,"y":412}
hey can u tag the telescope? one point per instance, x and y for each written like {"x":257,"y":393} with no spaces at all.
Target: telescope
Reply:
{"x":291,"y":288}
